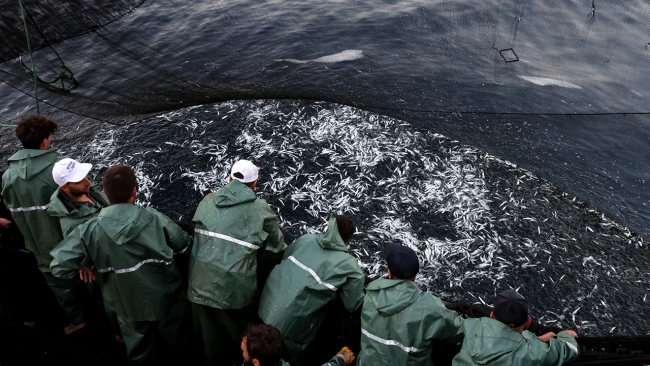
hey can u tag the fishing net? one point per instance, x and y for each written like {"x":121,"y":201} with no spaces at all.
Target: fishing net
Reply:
{"x":558,"y":88}
{"x":511,"y":136}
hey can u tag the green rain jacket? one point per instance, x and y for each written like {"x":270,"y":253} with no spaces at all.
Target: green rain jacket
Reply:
{"x":232,"y":228}
{"x":314,"y":268}
{"x":399,"y":321}
{"x":490,"y":342}
{"x":26,"y":189}
{"x":132,"y":248}
{"x":71,"y":219}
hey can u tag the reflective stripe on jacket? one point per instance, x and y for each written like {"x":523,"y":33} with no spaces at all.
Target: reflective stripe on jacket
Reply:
{"x":488,"y":341}
{"x":399,"y":321}
{"x":232,"y":227}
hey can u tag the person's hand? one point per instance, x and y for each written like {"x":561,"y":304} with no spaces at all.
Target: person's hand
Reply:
{"x":546,"y":337}
{"x":346,"y":354}
{"x":87,"y":274}
{"x":571,"y":333}
{"x":4,"y":223}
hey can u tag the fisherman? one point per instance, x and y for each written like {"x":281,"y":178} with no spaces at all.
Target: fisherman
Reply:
{"x":502,"y":339}
{"x":132,"y":248}
{"x":262,"y":345}
{"x":26,"y":188}
{"x":76,"y":201}
{"x":319,"y":267}
{"x":398,"y":320}
{"x":235,"y":234}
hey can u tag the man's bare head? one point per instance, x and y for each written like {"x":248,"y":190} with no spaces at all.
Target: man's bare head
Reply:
{"x":34,"y":131}
{"x":119,"y":184}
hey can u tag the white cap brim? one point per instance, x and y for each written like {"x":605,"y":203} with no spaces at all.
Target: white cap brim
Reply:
{"x":80,"y":173}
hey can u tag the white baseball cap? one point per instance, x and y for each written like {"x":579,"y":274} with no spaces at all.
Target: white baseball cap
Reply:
{"x":246,"y":169}
{"x":69,"y":170}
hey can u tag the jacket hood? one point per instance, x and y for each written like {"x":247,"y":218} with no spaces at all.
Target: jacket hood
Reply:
{"x":123,"y":222}
{"x":332,"y":239}
{"x":233,"y":194}
{"x":29,"y":162}
{"x":393,"y":295}
{"x":57,"y":208}
{"x":483,"y":333}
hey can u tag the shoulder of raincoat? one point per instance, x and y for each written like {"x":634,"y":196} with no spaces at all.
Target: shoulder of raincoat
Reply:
{"x":319,"y":267}
{"x":71,"y":219}
{"x":232,"y":226}
{"x":26,"y":189}
{"x":488,"y":341}
{"x":132,"y":249}
{"x":399,"y":321}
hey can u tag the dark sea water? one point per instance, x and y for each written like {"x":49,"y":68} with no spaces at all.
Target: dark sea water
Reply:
{"x":530,"y":174}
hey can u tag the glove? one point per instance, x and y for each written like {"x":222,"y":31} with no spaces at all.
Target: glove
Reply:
{"x":346,"y":354}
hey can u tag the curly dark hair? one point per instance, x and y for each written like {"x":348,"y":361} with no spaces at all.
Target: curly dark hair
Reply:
{"x":33,"y":129}
{"x":264,"y":343}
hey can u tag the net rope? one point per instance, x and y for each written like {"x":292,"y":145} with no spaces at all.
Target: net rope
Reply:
{"x":65,"y":74}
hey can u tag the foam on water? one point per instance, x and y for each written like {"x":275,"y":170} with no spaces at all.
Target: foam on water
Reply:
{"x":549,"y":81}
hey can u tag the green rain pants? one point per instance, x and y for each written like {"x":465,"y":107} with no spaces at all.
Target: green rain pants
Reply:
{"x":140,"y":336}
{"x":218,"y":332}
{"x":69,"y":293}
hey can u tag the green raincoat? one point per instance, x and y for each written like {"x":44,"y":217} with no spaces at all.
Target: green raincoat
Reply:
{"x":26,"y":189}
{"x":488,"y":341}
{"x":399,"y":321}
{"x":71,"y":219}
{"x":132,"y":249}
{"x":314,"y":269}
{"x":232,"y":228}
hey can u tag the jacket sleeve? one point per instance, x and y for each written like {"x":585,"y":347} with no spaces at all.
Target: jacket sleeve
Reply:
{"x":557,"y":351}
{"x":444,"y":323}
{"x":335,"y":361}
{"x":177,"y":239}
{"x":352,"y":292}
{"x":275,"y":240}
{"x":70,"y":255}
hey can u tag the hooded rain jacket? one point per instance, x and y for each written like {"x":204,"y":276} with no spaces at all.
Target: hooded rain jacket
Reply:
{"x":233,"y":228}
{"x":399,"y":321}
{"x":313,"y":270}
{"x":132,"y":248}
{"x":26,"y":189}
{"x":490,"y":342}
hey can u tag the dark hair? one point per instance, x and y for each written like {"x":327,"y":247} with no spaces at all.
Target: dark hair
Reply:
{"x":264,"y":343}
{"x":346,"y":227}
{"x":119,"y":181}
{"x":32,"y":130}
